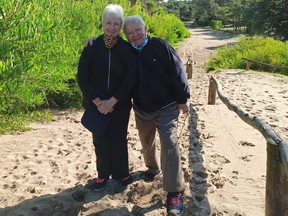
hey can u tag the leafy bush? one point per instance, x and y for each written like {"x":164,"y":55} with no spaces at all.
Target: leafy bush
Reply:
{"x":40,"y":45}
{"x":265,"y":50}
{"x":216,"y":24}
{"x":173,"y":31}
{"x":38,"y":50}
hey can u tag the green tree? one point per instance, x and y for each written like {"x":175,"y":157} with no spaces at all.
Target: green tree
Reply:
{"x":275,"y":17}
{"x":203,"y":11}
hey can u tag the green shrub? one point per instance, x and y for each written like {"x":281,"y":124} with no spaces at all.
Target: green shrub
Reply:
{"x":173,"y":31}
{"x":265,"y":50}
{"x":40,"y":45}
{"x":38,"y":50}
{"x":215,"y":24}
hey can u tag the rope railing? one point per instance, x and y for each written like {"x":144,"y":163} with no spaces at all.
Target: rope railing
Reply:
{"x":276,"y":198}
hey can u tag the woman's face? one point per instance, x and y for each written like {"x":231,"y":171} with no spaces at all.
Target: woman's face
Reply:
{"x":135,"y":33}
{"x":112,"y":26}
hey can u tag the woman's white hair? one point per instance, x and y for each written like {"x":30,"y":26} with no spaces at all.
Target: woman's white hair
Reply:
{"x":113,"y":11}
{"x":134,"y":19}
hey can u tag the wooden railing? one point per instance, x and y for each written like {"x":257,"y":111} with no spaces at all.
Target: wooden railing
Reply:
{"x":276,"y":196}
{"x":249,"y":61}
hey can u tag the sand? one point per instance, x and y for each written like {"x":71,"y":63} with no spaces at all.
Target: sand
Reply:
{"x":48,"y":170}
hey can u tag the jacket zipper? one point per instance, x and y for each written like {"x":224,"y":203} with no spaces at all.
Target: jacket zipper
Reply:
{"x":109,"y":71}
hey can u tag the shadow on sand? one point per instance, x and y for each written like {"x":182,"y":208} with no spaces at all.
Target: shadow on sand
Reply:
{"x":82,"y":200}
{"x":71,"y":202}
{"x":199,"y":204}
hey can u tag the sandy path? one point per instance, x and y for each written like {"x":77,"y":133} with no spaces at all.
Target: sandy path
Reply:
{"x":231,"y":153}
{"x":46,"y":171}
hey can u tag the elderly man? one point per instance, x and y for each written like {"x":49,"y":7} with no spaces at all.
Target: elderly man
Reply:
{"x":160,"y":93}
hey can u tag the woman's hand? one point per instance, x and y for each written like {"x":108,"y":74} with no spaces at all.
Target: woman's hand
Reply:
{"x":97,"y":101}
{"x":106,"y":106}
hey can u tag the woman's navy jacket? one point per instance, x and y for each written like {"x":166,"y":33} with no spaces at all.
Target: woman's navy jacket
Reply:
{"x":106,"y":72}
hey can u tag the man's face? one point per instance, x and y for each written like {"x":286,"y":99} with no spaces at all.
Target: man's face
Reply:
{"x":135,"y":33}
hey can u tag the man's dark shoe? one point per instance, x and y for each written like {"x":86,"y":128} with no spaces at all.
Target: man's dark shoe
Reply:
{"x":174,"y":204}
{"x":99,"y":184}
{"x":149,"y":177}
{"x":127,"y":180}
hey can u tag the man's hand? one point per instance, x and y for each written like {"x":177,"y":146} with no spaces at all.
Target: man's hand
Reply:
{"x":89,"y":41}
{"x":183,"y":107}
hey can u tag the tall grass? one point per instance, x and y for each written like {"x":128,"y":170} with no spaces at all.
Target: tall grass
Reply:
{"x":265,"y":50}
{"x":40,"y":45}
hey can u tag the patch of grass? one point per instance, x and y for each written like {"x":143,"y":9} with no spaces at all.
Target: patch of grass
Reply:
{"x":20,"y":121}
{"x":265,"y":50}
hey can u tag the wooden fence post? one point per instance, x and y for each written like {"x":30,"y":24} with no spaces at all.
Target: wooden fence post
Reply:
{"x":212,"y":91}
{"x":189,"y":68}
{"x":276,"y":197}
{"x":248,"y":64}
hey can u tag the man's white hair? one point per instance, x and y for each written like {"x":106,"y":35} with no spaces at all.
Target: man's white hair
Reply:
{"x":134,"y":19}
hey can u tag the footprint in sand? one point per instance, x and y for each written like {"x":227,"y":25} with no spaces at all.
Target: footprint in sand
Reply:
{"x":55,"y":168}
{"x":261,"y":101}
{"x":245,"y":143}
{"x":66,"y":152}
{"x":33,"y":173}
{"x":31,"y":189}
{"x":274,"y":118}
{"x":138,"y":191}
{"x":246,"y":158}
{"x":217,"y":171}
{"x":235,"y":174}
{"x":68,"y":136}
{"x":258,"y":112}
{"x":220,"y":159}
{"x":25,"y":157}
{"x":218,"y":182}
{"x":207,"y":136}
{"x":270,"y":108}
{"x":284,"y":128}
{"x":248,"y":108}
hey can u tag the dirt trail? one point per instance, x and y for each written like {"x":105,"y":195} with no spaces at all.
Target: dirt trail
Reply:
{"x":227,"y":157}
{"x":47,"y":171}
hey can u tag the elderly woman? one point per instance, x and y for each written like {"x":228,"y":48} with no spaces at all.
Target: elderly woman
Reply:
{"x":106,"y":77}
